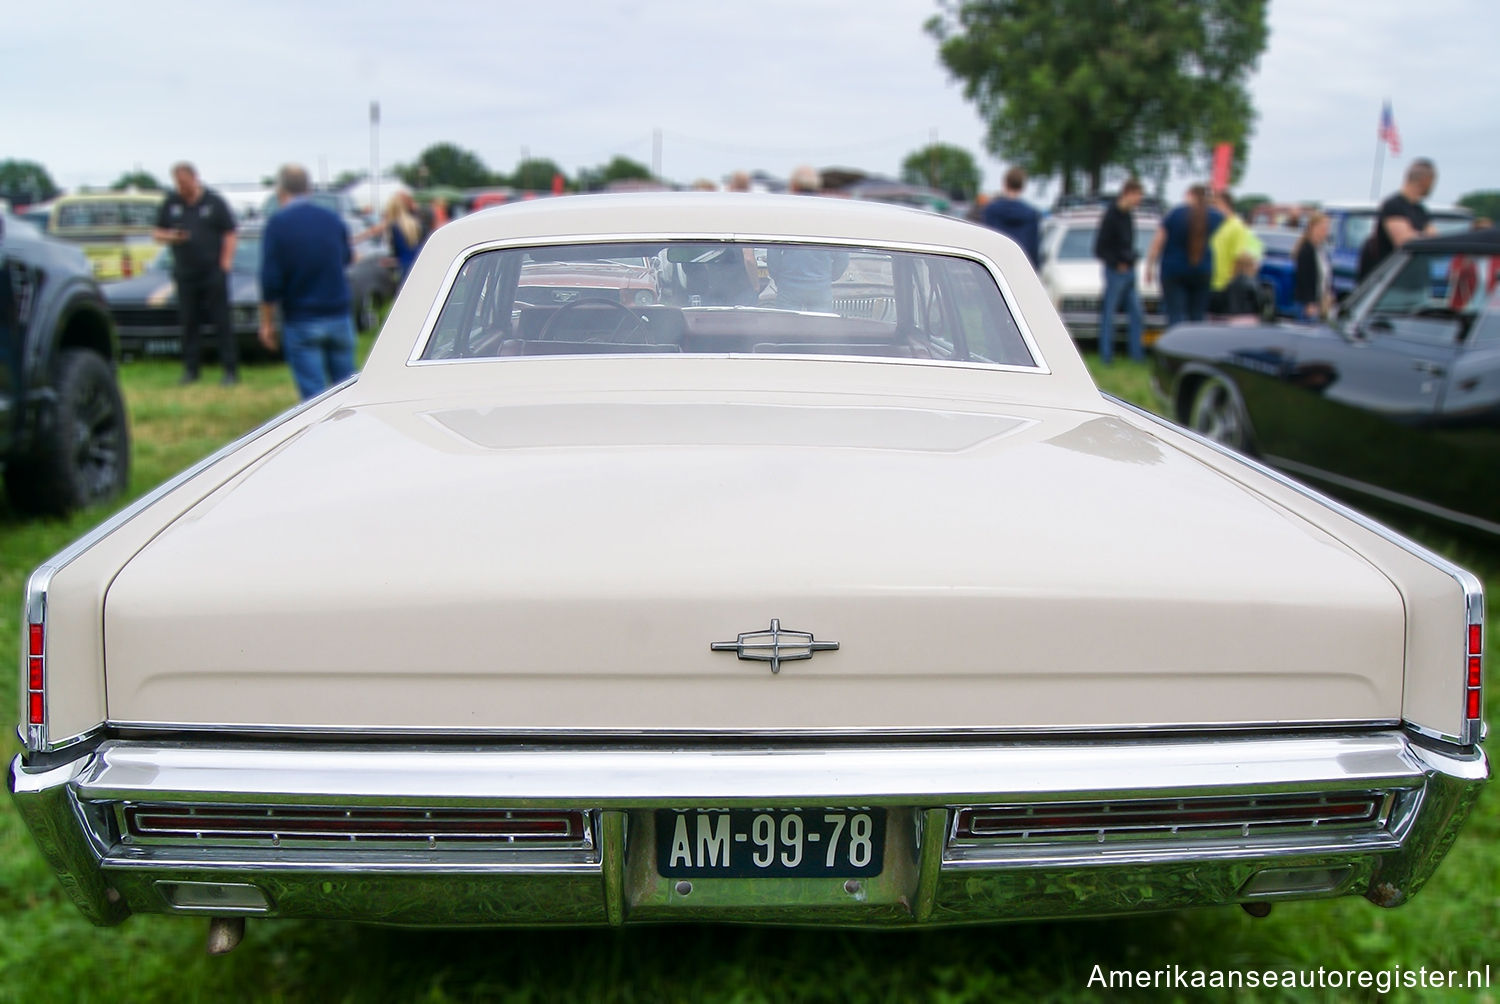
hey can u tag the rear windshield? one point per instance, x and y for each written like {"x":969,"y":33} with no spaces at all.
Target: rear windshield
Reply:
{"x":781,"y":299}
{"x":106,"y":215}
{"x":1078,"y":241}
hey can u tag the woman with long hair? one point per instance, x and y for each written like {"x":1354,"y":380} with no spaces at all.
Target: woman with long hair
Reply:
{"x":401,"y":229}
{"x":1187,"y":262}
{"x":1311,"y":284}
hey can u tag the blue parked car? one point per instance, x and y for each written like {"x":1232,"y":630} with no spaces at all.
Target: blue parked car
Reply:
{"x":1351,"y":223}
{"x":1278,"y":270}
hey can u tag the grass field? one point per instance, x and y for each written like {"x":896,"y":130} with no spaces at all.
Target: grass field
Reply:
{"x":49,"y":953}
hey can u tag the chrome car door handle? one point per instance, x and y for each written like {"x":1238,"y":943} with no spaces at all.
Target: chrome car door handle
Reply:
{"x":1423,"y":366}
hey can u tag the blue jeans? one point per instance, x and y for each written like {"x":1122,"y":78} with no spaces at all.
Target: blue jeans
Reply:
{"x":1119,"y":284}
{"x":320,"y":351}
{"x":1185,"y":296}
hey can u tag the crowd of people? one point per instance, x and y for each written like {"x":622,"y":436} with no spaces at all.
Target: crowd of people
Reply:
{"x":306,"y":248}
{"x":305,"y":297}
{"x":1205,"y":254}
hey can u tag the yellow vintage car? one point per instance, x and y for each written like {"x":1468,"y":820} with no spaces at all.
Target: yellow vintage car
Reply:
{"x":112,"y":228}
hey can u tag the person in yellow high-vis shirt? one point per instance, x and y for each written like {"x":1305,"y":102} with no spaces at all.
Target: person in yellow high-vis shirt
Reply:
{"x":1230,"y":242}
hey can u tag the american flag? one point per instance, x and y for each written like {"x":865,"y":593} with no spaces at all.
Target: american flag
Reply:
{"x":1388,"y":131}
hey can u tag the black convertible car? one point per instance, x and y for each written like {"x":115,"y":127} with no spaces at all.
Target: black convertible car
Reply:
{"x":145,"y":307}
{"x":1398,"y":397}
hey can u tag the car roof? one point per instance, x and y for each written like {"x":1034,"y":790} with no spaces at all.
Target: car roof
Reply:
{"x":708,"y":216}
{"x":1370,"y":207}
{"x":1475,"y":242}
{"x":109,"y":197}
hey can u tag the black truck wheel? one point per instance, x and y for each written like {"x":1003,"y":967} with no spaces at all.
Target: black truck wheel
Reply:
{"x":81,"y":454}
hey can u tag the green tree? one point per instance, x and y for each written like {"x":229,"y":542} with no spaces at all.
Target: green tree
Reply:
{"x":1245,"y":204}
{"x":1485,"y":202}
{"x":1080,"y":87}
{"x":945,"y":167}
{"x":143,"y":180}
{"x":346,"y":178}
{"x":446,"y":164}
{"x":536,"y":174}
{"x":25,"y":182}
{"x":619,"y":169}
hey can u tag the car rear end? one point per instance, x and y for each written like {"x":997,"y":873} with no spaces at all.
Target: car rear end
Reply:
{"x":778,"y":633}
{"x":920,"y":756}
{"x":113,"y":231}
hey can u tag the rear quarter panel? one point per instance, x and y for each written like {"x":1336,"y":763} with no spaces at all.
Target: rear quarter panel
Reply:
{"x":78,"y":578}
{"x":1434,"y":601}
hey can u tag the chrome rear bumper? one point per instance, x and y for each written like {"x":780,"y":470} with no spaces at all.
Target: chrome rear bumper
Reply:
{"x":931,"y":874}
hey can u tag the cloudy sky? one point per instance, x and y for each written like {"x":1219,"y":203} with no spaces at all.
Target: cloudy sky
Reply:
{"x":97,"y":89}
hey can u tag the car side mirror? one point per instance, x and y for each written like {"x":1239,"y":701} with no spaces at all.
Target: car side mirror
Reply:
{"x":1364,"y":332}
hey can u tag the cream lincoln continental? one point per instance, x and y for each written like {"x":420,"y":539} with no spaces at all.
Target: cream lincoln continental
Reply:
{"x":784,"y":594}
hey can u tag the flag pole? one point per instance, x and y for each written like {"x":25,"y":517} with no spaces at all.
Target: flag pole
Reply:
{"x":1382,"y":139}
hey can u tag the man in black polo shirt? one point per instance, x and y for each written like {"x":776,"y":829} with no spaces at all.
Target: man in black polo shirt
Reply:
{"x":1401,"y":217}
{"x":198,"y":225}
{"x":1114,"y":246}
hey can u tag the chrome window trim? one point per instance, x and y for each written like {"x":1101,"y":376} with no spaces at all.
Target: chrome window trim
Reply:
{"x":36,"y":739}
{"x":1473,"y":730}
{"x":429,"y":325}
{"x":542,"y":360}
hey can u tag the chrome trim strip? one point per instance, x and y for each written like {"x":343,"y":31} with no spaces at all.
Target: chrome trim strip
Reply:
{"x":429,"y":325}
{"x":612,"y":863}
{"x":152,"y":860}
{"x":1386,"y":495}
{"x":228,"y":731}
{"x":527,"y":776}
{"x":1473,"y":589}
{"x":36,"y":739}
{"x":1433,"y":734}
{"x":930,"y":863}
{"x":543,"y":360}
{"x":214,"y":832}
{"x":987,"y":858}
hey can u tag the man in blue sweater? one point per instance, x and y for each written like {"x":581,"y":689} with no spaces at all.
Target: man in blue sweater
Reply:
{"x":304,"y":251}
{"x":1013,"y":217}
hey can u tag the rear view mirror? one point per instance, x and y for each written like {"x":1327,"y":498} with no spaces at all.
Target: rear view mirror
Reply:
{"x":687,"y":254}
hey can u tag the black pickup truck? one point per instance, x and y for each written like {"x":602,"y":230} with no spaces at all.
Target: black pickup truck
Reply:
{"x":64,"y":436}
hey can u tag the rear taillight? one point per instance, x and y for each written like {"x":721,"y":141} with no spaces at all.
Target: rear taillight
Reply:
{"x":36,"y":674}
{"x":126,"y":270}
{"x":1473,"y":697}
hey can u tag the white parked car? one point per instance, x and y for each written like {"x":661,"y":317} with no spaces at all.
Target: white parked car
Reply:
{"x":599,"y":613}
{"x":1074,"y":278}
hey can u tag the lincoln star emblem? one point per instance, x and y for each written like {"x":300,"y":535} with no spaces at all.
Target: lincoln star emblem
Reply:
{"x":775,"y":646}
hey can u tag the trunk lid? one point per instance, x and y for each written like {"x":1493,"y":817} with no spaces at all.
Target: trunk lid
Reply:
{"x":567,"y":567}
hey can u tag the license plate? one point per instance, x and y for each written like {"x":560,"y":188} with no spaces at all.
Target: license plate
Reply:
{"x":770,"y":843}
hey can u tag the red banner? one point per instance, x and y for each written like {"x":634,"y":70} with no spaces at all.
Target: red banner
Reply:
{"x":1223,"y":159}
